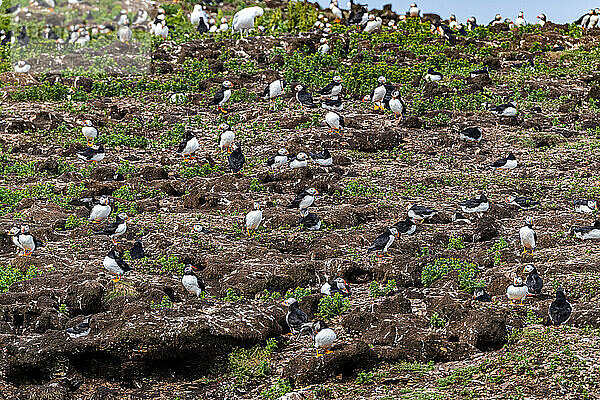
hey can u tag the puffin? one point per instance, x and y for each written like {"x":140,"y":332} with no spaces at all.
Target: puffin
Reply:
{"x":587,"y":232}
{"x":8,"y":38}
{"x":453,"y":23}
{"x":115,"y":265}
{"x":382,"y":243}
{"x":520,"y":20}
{"x":541,"y":19}
{"x":357,"y":18}
{"x":335,"y":121}
{"x":28,"y":242}
{"x":478,"y":72}
{"x":300,"y":161}
{"x":496,"y":21}
{"x":14,"y":235}
{"x":92,"y":153}
{"x":420,"y":213}
{"x":191,"y":282}
{"x":413,"y":10}
{"x":471,"y":23}
{"x":23,"y":37}
{"x":178,"y":98}
{"x":323,"y":46}
{"x":323,"y":337}
{"x":505,"y":110}
{"x":406,"y":227}
{"x":253,"y":218}
{"x":89,"y":132}
{"x":140,"y":17}
{"x":295,"y":317}
{"x":334,"y":88}
{"x":22,"y":67}
{"x":471,"y":134}
{"x":82,"y":329}
{"x":198,"y":14}
{"x":125,"y":34}
{"x":594,"y":19}
{"x":188,"y":146}
{"x":49,"y":34}
{"x":333,"y":104}
{"x":479,"y":205}
{"x":136,"y":252}
{"x":278,"y":160}
{"x":534,"y":281}
{"x":100,"y":211}
{"x":524,"y":203}
{"x":14,"y":10}
{"x":373,"y":23}
{"x":584,"y":20}
{"x":585,"y":206}
{"x":202,"y":28}
{"x":378,"y":94}
{"x":236,"y":159}
{"x":197,"y":228}
{"x":433,"y":76}
{"x":338,"y":285}
{"x":505,"y":163}
{"x":517,"y":291}
{"x":304,"y":199}
{"x":274,"y":89}
{"x":528,"y":236}
{"x":310,"y":221}
{"x":337,"y":13}
{"x":479,"y":294}
{"x":322,"y":158}
{"x":115,"y":229}
{"x":222,"y":96}
{"x":244,"y":19}
{"x":122,"y":19}
{"x":226,"y":137}
{"x":560,"y":309}
{"x":397,"y":105}
{"x":458,"y":218}
{"x":304,"y":98}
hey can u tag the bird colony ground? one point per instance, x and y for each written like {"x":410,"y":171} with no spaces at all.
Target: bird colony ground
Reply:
{"x":410,"y":328}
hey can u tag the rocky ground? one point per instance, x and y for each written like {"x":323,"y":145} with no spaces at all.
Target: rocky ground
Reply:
{"x":151,"y":339}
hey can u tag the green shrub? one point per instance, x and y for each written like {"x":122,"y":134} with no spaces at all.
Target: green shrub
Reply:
{"x":198,"y":170}
{"x":73,"y":221}
{"x":379,"y":291}
{"x":331,"y":306}
{"x":231,"y":295}
{"x":279,"y":388}
{"x":10,"y":275}
{"x":365,"y":378}
{"x":164,"y":303}
{"x":456,"y":243}
{"x":252,"y":363}
{"x":467,"y":273}
{"x":437,"y":321}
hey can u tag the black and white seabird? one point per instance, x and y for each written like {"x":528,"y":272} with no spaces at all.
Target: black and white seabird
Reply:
{"x":524,"y":203}
{"x":253,"y":218}
{"x":92,"y":153}
{"x":382,"y":243}
{"x":357,"y":17}
{"x":333,"y":104}
{"x":89,"y":132}
{"x":295,"y":317}
{"x":397,"y":105}
{"x":335,"y":121}
{"x":191,"y":282}
{"x":334,"y":88}
{"x":188,"y":146}
{"x":202,"y":27}
{"x":517,"y":291}
{"x":300,"y":161}
{"x":433,"y":76}
{"x":14,"y":10}
{"x":505,"y":163}
{"x":587,"y":232}
{"x":236,"y":159}
{"x":14,"y":235}
{"x":28,"y":242}
{"x":23,"y":37}
{"x":323,"y":336}
{"x":304,"y":98}
{"x":505,"y":110}
{"x":534,"y":281}
{"x":137,"y":251}
{"x":479,"y":204}
{"x":460,"y":219}
{"x":471,"y":134}
{"x":406,"y":227}
{"x":560,"y":309}
{"x":80,"y":330}
{"x":479,"y":294}
{"x":304,"y":199}
{"x":338,"y":285}
{"x":528,"y":236}
{"x":377,"y":96}
{"x":274,"y":89}
{"x":222,"y":96}
{"x":278,"y":160}
{"x":226,"y":137}
{"x":100,"y":211}
{"x":477,"y":72}
{"x":323,"y":158}
{"x":471,"y":23}
{"x":309,"y":221}
{"x":585,"y":206}
{"x":420,"y":213}
{"x":115,"y":264}
{"x":115,"y":229}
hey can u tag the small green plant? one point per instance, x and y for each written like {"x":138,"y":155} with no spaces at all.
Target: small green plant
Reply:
{"x":198,"y":170}
{"x":458,"y":376}
{"x":467,"y":273}
{"x":379,"y":291}
{"x":164,"y":303}
{"x":63,"y":309}
{"x":299,"y":293}
{"x":255,"y":186}
{"x":365,"y":378}
{"x":231,"y":295}
{"x":10,"y":275}
{"x":456,"y":243}
{"x":437,"y":321}
{"x":533,"y":319}
{"x":497,"y":249}
{"x":331,"y":306}
{"x":252,"y":363}
{"x":279,"y":388}
{"x":73,"y":221}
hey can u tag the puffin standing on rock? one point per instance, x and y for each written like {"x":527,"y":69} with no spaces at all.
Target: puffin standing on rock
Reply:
{"x":335,"y":121}
{"x":323,"y":336}
{"x":116,"y":265}
{"x":253,"y":218}
{"x":222,"y":96}
{"x":188,"y":146}
{"x":100,"y":211}
{"x":273,"y":90}
{"x":278,"y":160}
{"x":304,"y":199}
{"x":397,"y":105}
{"x":383,"y":242}
{"x":334,"y":88}
{"x":236,"y":159}
{"x":406,"y":227}
{"x":534,"y":281}
{"x":517,"y":291}
{"x":560,"y":309}
{"x":226,"y":137}
{"x":295,"y":317}
{"x":191,"y":282}
{"x":28,"y":242}
{"x":304,"y":98}
{"x":528,"y":236}
{"x":338,"y":285}
{"x":300,"y":161}
{"x":89,"y":132}
{"x":115,"y":229}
